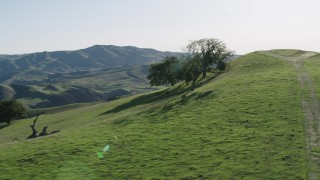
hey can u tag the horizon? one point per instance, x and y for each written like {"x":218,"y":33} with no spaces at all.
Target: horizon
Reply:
{"x":140,"y":48}
{"x":91,"y":47}
{"x":245,"y":26}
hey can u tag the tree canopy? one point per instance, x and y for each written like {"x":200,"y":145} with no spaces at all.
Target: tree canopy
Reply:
{"x":202,"y":56}
{"x":210,"y":53}
{"x":168,"y":71}
{"x":10,"y":110}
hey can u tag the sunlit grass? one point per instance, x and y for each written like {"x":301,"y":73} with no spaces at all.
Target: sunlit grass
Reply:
{"x":246,"y":123}
{"x":288,"y":52}
{"x":312,"y":65}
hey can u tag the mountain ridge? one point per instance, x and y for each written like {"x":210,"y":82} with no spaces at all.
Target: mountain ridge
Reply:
{"x":99,"y":72}
{"x":94,"y":57}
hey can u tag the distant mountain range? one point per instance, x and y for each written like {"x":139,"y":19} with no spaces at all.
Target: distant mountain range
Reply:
{"x":100,"y":72}
{"x":95,"y":57}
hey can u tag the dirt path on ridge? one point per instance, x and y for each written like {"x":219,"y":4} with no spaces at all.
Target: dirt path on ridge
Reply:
{"x":310,"y":104}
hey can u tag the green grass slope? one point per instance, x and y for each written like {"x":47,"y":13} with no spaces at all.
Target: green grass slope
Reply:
{"x":288,"y":52}
{"x":245,"y":123}
{"x":77,"y":87}
{"x":312,"y":65}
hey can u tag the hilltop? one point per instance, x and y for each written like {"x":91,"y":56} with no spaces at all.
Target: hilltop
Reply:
{"x":97,"y":73}
{"x":248,"y":122}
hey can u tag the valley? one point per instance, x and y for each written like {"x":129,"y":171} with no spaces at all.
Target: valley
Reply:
{"x":97,"y":73}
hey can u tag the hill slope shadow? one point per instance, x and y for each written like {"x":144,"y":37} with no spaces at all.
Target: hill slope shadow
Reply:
{"x":150,"y":98}
{"x":163,"y":95}
{"x":152,"y":112}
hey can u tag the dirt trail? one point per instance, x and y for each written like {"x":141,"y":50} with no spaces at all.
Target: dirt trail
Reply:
{"x":310,"y":104}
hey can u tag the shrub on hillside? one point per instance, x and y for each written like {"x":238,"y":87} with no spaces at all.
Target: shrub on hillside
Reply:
{"x":10,"y":110}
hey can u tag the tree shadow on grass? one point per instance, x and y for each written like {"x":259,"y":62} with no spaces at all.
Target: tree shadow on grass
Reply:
{"x":203,"y":81}
{"x":150,"y":98}
{"x":150,"y":114}
{"x":185,"y":99}
{"x":165,"y":94}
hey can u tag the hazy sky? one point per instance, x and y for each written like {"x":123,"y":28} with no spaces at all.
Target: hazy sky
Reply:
{"x":244,"y":25}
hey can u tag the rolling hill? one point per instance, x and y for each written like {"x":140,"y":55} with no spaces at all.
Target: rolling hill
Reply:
{"x":92,"y":58}
{"x":250,"y":122}
{"x":97,"y":73}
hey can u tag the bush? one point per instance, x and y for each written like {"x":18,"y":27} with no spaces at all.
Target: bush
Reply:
{"x":10,"y":110}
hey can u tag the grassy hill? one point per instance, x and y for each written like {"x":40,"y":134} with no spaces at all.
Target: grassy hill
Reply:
{"x":78,"y":87}
{"x":312,"y":64}
{"x":245,"y":123}
{"x":92,"y":86}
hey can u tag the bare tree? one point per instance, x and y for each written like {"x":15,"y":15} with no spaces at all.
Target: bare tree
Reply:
{"x":34,"y":131}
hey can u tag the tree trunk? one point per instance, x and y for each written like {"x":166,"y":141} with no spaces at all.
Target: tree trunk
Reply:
{"x":204,"y":73}
{"x":34,"y":131}
{"x":194,"y":81}
{"x":8,"y":121}
{"x":204,"y":69}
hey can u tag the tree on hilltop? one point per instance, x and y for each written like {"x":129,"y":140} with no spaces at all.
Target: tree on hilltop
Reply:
{"x":191,"y":70}
{"x":210,"y":54}
{"x":202,"y":56}
{"x":168,"y":71}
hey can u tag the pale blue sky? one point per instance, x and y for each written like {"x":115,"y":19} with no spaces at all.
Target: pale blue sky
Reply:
{"x":244,"y":25}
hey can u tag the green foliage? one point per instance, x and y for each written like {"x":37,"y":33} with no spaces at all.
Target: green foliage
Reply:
{"x":210,"y":54}
{"x":221,"y":66}
{"x":168,"y":71}
{"x":11,"y":109}
{"x":191,"y":70}
{"x":245,"y":124}
{"x":204,"y":55}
